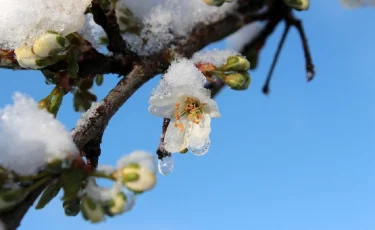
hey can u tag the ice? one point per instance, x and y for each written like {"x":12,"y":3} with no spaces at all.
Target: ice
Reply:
{"x":215,"y":56}
{"x":30,"y":137}
{"x":182,"y":73}
{"x":84,"y":120}
{"x":166,"y":165}
{"x":202,"y":150}
{"x":165,"y":20}
{"x":23,"y":21}
{"x":91,"y":31}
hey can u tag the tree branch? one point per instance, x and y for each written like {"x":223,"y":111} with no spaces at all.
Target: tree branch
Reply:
{"x":108,"y":21}
{"x":310,"y":68}
{"x":266,"y":87}
{"x":93,"y":123}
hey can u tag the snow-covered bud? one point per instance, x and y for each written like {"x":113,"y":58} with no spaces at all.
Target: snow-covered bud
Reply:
{"x":138,"y":178}
{"x":9,"y":197}
{"x":92,"y":210}
{"x":49,"y":44}
{"x":236,"y":63}
{"x":238,"y":81}
{"x":27,"y":59}
{"x":117,"y":204}
{"x":137,"y":171}
{"x":298,"y":4}
{"x":216,"y":2}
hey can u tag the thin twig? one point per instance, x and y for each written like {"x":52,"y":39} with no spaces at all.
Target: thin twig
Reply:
{"x":161,"y":152}
{"x":275,"y":59}
{"x":108,"y":21}
{"x":310,"y":68}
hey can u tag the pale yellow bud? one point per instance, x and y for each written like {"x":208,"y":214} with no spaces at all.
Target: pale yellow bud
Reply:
{"x":26,"y":58}
{"x":92,"y":210}
{"x":117,"y":205}
{"x":137,"y":178}
{"x":298,"y":4}
{"x":49,"y":44}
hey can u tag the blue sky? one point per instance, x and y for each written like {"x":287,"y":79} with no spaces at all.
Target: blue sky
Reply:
{"x":301,"y":158}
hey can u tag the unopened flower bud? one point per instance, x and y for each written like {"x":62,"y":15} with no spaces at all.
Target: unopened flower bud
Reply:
{"x":236,"y":63}
{"x":44,"y":104}
{"x":49,"y":44}
{"x":216,"y":2}
{"x":92,"y":210}
{"x":27,"y":59}
{"x":238,"y":81}
{"x":117,"y":204}
{"x":138,"y":178}
{"x":298,"y":4}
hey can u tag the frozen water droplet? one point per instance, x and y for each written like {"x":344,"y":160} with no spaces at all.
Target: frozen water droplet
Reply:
{"x":166,"y":165}
{"x":201,"y":151}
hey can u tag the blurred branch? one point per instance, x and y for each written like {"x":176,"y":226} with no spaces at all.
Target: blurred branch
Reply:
{"x":266,"y":88}
{"x":310,"y":69}
{"x":107,"y":19}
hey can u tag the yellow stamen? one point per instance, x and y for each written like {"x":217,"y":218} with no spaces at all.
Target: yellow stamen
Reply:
{"x":193,"y":109}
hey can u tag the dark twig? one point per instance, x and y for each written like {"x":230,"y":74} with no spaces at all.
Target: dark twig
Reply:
{"x":161,"y":152}
{"x":275,"y":59}
{"x":108,"y":21}
{"x":310,"y":69}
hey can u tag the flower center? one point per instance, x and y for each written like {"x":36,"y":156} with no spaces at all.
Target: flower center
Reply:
{"x":193,"y":109}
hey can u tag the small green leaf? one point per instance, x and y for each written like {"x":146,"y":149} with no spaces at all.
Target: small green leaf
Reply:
{"x":73,"y":67}
{"x":48,"y":194}
{"x":72,"y":182}
{"x":61,"y":41}
{"x":56,"y":100}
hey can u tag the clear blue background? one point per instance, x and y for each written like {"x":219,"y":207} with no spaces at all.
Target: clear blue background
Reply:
{"x":299,"y":159}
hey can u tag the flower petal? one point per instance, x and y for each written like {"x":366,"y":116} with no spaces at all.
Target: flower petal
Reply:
{"x":163,"y":105}
{"x":175,"y":138}
{"x":165,"y":111}
{"x":212,"y":108}
{"x":200,"y":132}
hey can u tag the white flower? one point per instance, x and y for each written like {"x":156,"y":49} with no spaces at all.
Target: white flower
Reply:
{"x":191,"y":110}
{"x":181,"y":97}
{"x":137,"y":171}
